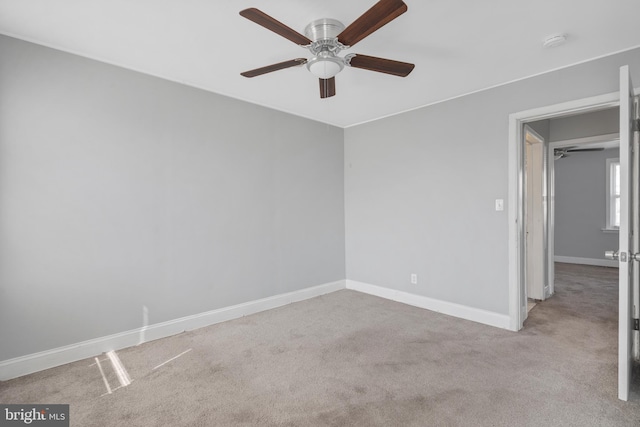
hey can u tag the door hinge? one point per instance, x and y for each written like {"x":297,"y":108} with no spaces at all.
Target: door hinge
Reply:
{"x":636,"y":125}
{"x":636,"y":324}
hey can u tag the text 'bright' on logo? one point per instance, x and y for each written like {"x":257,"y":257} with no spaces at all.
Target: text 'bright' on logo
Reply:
{"x":34,"y":414}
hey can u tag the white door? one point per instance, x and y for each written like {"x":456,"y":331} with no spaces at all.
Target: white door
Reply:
{"x":627,"y":252}
{"x":535,"y":214}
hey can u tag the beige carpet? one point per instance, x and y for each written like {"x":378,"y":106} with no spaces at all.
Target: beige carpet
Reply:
{"x":349,"y":359}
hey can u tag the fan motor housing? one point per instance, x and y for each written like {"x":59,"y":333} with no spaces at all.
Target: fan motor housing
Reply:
{"x":324,"y":29}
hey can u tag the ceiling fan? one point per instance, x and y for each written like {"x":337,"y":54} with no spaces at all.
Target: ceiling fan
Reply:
{"x":560,"y":153}
{"x":326,"y":38}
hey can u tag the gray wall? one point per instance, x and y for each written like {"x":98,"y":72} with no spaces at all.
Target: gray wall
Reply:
{"x":580,"y":205}
{"x":120,"y":191}
{"x":583,"y":125}
{"x":580,"y":185}
{"x":420,"y":187}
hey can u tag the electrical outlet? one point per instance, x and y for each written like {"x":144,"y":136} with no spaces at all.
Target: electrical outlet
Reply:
{"x":414,"y":279}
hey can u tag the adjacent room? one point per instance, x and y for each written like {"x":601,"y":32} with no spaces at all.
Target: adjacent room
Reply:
{"x":191,"y":236}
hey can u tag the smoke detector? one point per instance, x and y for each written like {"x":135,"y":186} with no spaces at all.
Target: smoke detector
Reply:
{"x":554,"y":40}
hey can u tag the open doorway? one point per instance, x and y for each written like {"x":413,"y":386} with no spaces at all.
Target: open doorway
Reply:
{"x":628,"y":252}
{"x":517,"y":242}
{"x":569,"y":195}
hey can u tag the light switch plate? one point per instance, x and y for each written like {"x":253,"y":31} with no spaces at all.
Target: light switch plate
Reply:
{"x":499,"y":204}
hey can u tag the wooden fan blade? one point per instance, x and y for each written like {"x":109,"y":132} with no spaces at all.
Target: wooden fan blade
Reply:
{"x":261,"y":18}
{"x":274,"y":67}
{"x":327,"y":87}
{"x":381,"y":65}
{"x":577,"y":150}
{"x":373,"y":19}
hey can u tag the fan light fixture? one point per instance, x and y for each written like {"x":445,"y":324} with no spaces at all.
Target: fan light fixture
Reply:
{"x":325,"y":67}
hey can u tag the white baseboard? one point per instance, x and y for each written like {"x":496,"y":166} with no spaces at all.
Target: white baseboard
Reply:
{"x":28,"y":364}
{"x":586,"y":261}
{"x":469,"y":313}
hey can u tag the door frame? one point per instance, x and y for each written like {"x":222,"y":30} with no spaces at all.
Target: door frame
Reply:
{"x":517,"y":240}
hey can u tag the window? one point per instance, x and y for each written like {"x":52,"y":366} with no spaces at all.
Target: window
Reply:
{"x":613,"y":194}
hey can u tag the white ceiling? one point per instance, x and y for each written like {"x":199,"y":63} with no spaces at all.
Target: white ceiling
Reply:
{"x":458,"y":46}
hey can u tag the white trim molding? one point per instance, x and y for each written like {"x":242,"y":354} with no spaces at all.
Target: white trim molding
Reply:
{"x":586,"y":261}
{"x":19,"y":366}
{"x":464,"y":312}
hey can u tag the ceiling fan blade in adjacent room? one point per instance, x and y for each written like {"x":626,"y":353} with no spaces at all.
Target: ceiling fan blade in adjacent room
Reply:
{"x":261,"y":18}
{"x":274,"y":67}
{"x":577,"y":150}
{"x":327,"y":87}
{"x":381,"y":65}
{"x":373,"y":19}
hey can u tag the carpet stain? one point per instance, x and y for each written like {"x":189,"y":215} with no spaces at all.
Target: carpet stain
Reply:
{"x":294,"y":334}
{"x":242,"y":417}
{"x":216,"y":369}
{"x":412,"y":411}
{"x":277,"y":350}
{"x":360,"y":390}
